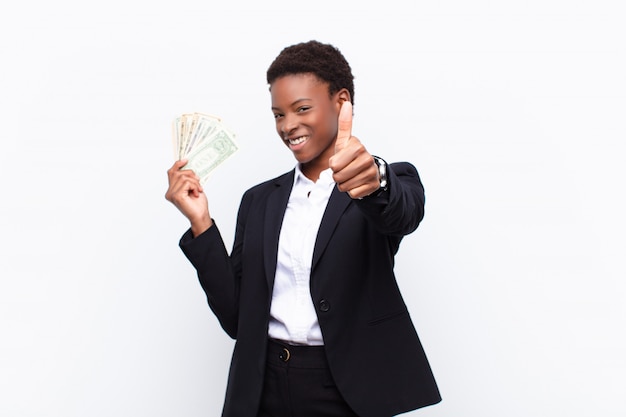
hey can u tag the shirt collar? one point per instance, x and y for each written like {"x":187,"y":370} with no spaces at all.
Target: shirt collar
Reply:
{"x":326,"y":176}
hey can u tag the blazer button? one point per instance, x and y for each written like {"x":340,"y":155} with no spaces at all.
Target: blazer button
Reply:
{"x":324,"y":305}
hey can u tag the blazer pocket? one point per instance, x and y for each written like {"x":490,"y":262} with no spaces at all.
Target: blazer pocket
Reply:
{"x":388,"y":317}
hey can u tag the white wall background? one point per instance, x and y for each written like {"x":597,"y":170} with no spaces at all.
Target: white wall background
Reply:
{"x":513,"y":112}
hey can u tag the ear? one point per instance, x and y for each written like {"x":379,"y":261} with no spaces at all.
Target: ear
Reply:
{"x":341,"y":96}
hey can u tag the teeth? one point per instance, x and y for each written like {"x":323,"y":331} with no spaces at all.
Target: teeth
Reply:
{"x":297,"y":141}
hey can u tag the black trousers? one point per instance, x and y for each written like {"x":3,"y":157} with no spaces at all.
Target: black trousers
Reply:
{"x":299,"y":384}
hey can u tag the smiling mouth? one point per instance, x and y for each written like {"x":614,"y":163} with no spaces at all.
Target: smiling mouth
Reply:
{"x":297,"y":141}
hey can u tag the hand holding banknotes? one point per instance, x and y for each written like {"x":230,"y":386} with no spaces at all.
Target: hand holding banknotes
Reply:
{"x":186,"y":193}
{"x":201,"y":143}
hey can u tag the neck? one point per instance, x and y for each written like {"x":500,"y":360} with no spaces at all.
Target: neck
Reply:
{"x":312,"y":172}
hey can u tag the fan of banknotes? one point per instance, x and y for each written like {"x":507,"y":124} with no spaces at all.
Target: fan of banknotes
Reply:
{"x":204,"y":141}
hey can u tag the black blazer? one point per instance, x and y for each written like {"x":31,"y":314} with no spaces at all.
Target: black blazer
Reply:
{"x":373,"y":350}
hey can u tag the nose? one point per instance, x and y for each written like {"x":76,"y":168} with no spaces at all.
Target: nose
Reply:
{"x":288,"y":125}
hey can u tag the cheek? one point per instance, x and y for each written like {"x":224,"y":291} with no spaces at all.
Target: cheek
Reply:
{"x":332,"y":126}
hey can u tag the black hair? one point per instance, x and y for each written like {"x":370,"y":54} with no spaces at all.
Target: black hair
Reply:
{"x":324,"y":61}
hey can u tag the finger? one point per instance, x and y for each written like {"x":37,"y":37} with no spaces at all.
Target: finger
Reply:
{"x":183,"y":181}
{"x":348,"y":180}
{"x":178,"y":165}
{"x":350,"y":177}
{"x":362,"y":191}
{"x":182,"y":190}
{"x":189,"y":183}
{"x":344,"y":131}
{"x":177,"y":170}
{"x":351,"y":161}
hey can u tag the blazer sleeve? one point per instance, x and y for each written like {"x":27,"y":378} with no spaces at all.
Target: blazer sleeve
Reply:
{"x":218,"y":272}
{"x":209,"y":257}
{"x":400,"y":209}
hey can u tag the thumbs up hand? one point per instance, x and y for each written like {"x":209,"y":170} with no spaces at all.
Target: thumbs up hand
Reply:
{"x":353,"y":166}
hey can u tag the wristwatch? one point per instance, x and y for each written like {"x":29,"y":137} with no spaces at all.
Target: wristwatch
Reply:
{"x":382,"y":174}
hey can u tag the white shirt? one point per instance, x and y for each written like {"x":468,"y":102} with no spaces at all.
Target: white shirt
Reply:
{"x":292,"y":313}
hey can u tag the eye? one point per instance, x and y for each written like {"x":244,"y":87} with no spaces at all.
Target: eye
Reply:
{"x":277,"y":116}
{"x":303,"y":109}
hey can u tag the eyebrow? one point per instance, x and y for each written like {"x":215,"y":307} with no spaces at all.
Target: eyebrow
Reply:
{"x":294,"y":103}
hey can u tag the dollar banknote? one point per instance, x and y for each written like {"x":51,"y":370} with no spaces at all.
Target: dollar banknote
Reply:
{"x":204,"y":140}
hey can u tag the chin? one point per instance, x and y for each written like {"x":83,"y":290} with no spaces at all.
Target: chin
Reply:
{"x":303,"y":159}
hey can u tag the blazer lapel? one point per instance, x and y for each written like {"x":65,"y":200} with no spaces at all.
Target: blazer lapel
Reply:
{"x":337,"y":204}
{"x":274,"y":213}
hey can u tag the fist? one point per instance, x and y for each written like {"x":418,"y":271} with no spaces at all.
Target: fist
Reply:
{"x":353,"y":166}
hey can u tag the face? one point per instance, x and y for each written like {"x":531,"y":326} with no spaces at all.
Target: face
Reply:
{"x":306,"y":118}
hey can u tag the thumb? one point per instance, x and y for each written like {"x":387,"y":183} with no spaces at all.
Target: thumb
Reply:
{"x":344,"y":131}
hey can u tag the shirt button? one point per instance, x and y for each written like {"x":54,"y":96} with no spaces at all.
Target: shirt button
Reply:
{"x":324,"y":305}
